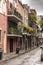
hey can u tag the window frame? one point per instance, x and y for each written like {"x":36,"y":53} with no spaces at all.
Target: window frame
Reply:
{"x":0,"y":35}
{"x":0,"y":4}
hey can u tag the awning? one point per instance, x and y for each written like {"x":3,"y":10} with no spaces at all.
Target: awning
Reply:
{"x":28,"y":34}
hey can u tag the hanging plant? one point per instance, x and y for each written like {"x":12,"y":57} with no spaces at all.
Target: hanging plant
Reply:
{"x":11,"y":30}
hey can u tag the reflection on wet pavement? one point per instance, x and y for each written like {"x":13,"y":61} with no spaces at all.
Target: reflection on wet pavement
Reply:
{"x":31,"y":58}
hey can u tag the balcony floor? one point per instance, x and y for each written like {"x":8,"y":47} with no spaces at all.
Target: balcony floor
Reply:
{"x":13,"y":35}
{"x":14,"y":18}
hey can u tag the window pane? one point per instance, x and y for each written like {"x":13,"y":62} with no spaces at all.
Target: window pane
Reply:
{"x":0,"y":3}
{"x":10,"y":5}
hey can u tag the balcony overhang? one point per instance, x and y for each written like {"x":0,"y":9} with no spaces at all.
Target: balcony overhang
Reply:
{"x":14,"y":18}
{"x":40,"y":37}
{"x":26,"y":34}
{"x":13,"y":35}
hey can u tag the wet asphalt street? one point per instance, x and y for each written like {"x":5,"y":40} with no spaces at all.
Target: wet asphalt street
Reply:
{"x":31,"y":58}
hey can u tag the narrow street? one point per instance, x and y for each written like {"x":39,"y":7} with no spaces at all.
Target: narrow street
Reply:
{"x":30,"y":58}
{"x":21,"y":32}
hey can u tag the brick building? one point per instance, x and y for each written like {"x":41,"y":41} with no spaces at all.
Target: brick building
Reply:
{"x":12,"y":14}
{"x":33,"y":11}
{"x":10,"y":19}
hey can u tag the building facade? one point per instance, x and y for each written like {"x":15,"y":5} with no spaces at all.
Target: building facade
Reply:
{"x":9,"y":33}
{"x":13,"y":15}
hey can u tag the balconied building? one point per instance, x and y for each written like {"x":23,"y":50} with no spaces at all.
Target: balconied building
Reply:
{"x":25,"y":26}
{"x":40,"y":33}
{"x":15,"y":18}
{"x":3,"y":25}
{"x":13,"y":15}
{"x":14,"y":28}
{"x":34,"y":25}
{"x":33,"y":11}
{"x":10,"y":17}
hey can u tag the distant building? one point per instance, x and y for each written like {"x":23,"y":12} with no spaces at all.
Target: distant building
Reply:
{"x":33,"y":11}
{"x":40,"y":32}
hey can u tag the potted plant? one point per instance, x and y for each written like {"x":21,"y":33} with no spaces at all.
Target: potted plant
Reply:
{"x":11,"y":30}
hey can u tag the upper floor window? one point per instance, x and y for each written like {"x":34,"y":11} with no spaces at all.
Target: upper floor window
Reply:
{"x":15,"y":0}
{"x":10,"y":5}
{"x":0,"y":3}
{"x":4,"y":1}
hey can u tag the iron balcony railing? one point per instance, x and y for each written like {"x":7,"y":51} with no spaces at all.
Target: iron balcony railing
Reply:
{"x":15,"y":31}
{"x":17,"y":14}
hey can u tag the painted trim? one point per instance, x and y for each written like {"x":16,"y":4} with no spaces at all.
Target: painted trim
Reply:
{"x":0,"y":28}
{"x":5,"y":42}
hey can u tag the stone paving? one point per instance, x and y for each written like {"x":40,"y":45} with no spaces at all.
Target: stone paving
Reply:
{"x":30,"y":58}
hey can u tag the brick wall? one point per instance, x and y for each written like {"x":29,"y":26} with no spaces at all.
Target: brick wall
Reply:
{"x":3,"y":27}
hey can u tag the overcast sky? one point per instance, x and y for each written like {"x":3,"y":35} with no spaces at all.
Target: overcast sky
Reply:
{"x":35,"y":4}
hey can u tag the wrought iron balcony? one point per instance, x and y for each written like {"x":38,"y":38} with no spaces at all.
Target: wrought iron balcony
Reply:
{"x":14,"y":31}
{"x":13,"y":28}
{"x":15,"y":14}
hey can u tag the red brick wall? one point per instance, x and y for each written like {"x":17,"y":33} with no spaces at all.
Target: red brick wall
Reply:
{"x":8,"y":45}
{"x":3,"y":26}
{"x":15,"y":43}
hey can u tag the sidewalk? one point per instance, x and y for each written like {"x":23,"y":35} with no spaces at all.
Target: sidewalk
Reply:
{"x":12,"y":55}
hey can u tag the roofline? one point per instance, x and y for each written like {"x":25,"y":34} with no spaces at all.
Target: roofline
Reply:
{"x":20,"y":3}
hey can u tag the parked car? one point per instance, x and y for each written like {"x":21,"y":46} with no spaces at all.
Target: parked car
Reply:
{"x":41,"y":53}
